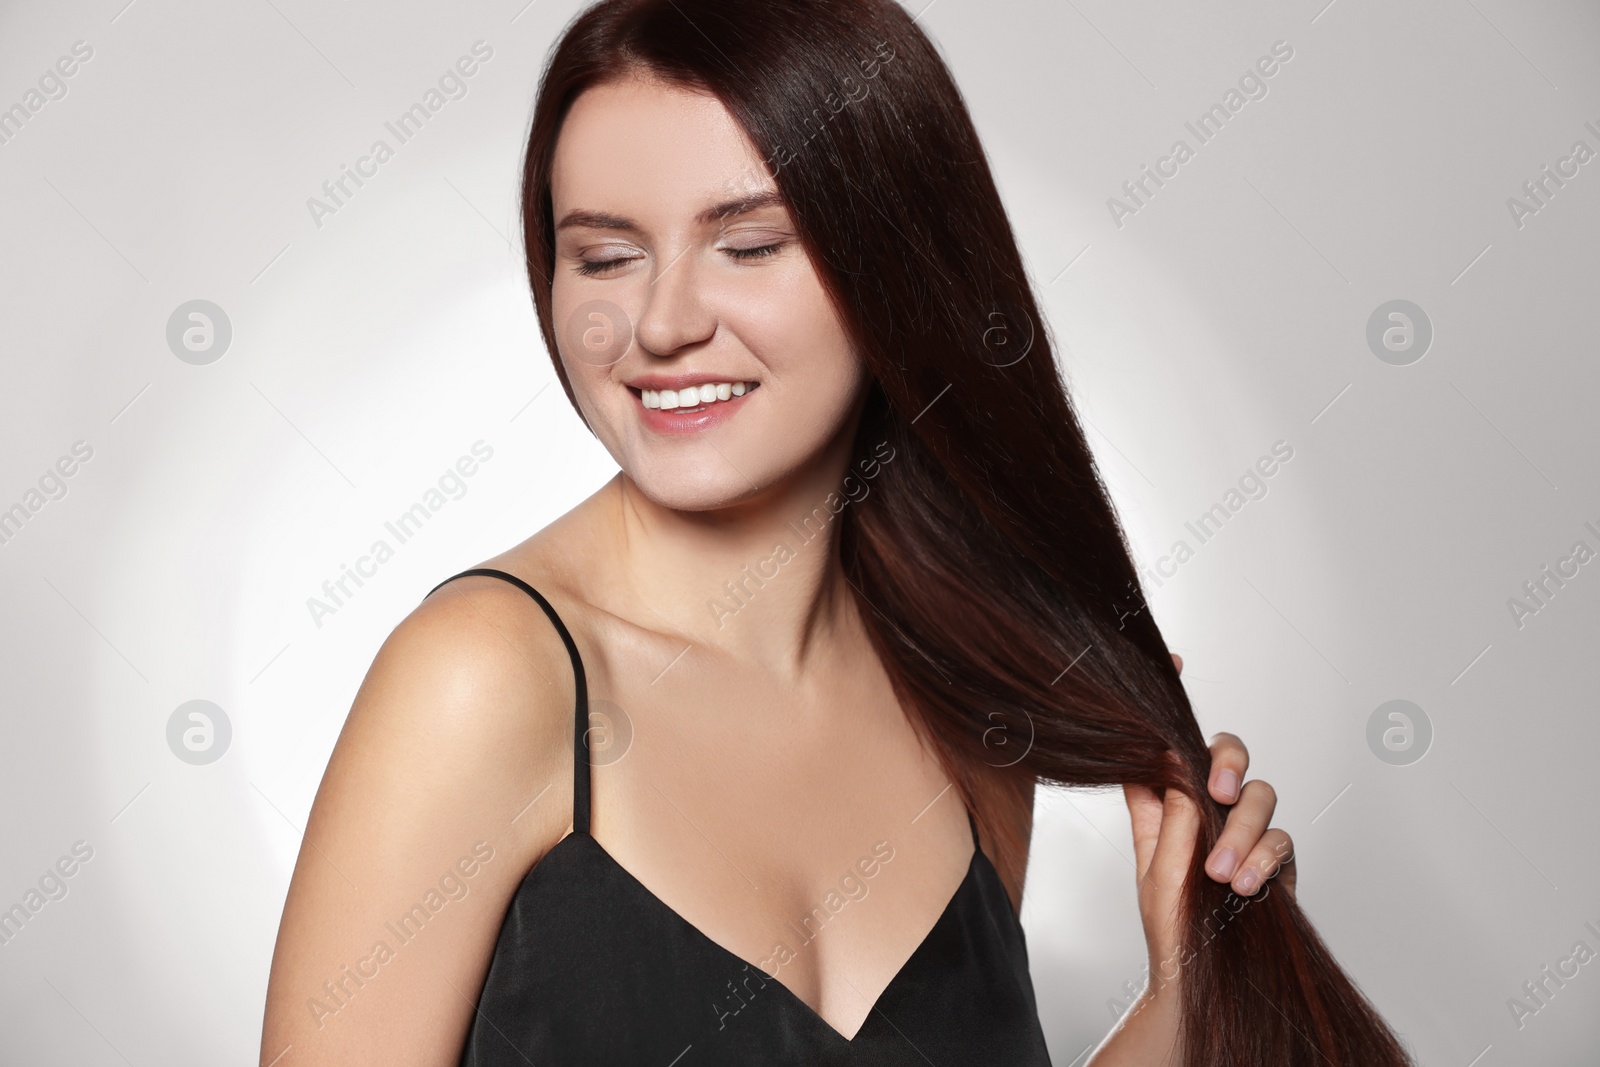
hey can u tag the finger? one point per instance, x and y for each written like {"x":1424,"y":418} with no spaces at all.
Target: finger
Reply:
{"x":1160,"y":891}
{"x":1144,"y":810}
{"x":1180,"y":825}
{"x":1177,"y":662}
{"x":1246,"y":823}
{"x":1229,"y":760}
{"x":1273,"y":856}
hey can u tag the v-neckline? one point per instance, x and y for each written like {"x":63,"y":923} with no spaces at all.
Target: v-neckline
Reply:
{"x":810,"y":1013}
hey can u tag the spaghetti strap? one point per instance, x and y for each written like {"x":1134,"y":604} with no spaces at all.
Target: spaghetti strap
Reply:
{"x":580,"y":729}
{"x":974,"y":824}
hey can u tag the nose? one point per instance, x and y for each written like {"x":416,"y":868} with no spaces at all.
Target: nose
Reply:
{"x":676,"y":312}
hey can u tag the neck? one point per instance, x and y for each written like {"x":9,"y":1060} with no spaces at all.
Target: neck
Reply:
{"x":760,"y":580}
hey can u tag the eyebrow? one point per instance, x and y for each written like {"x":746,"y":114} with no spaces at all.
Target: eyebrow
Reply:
{"x":605,"y":220}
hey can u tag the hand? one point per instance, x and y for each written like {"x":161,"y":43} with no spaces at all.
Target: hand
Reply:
{"x":1164,"y":833}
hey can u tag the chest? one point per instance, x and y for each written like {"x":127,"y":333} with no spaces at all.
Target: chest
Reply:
{"x":808,"y":831}
{"x":590,"y":966}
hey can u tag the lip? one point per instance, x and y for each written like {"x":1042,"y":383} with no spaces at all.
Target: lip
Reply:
{"x":677,"y":420}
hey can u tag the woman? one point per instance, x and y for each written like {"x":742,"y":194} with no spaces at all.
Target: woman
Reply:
{"x":856,"y":589}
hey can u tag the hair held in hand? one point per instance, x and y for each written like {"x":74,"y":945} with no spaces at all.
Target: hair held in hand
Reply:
{"x":988,"y":556}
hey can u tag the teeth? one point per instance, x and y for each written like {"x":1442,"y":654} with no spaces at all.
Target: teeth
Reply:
{"x":693,"y":396}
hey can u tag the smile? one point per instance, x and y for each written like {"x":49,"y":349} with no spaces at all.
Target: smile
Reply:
{"x":693,"y":397}
{"x":692,"y":409}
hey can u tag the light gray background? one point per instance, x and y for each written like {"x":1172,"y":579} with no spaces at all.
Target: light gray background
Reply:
{"x":1229,"y":313}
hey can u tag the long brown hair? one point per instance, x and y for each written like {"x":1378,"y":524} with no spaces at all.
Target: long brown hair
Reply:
{"x":988,"y":558}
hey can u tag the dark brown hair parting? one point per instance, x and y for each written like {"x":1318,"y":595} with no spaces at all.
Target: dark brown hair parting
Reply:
{"x":988,"y":558}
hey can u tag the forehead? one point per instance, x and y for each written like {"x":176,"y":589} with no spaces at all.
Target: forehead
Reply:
{"x":643,"y":144}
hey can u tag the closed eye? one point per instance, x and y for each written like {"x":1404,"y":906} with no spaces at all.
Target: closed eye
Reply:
{"x":597,"y":266}
{"x":592,"y":267}
{"x":754,"y":253}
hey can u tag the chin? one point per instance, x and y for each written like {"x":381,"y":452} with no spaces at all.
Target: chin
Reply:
{"x":697,"y":488}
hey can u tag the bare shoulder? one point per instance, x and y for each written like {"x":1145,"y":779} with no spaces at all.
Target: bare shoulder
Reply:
{"x":471,"y":696}
{"x":451,"y":777}
{"x":476,"y":660}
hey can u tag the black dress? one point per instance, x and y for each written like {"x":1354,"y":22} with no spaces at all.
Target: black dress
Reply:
{"x":593,"y":969}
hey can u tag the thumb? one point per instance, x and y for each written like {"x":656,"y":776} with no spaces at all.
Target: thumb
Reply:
{"x":1144,"y":812}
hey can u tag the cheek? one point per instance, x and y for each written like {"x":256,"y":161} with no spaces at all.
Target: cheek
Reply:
{"x":803,"y":345}
{"x":591,"y":336}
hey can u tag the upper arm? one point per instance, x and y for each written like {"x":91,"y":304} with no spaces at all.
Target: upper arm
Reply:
{"x":427,"y":809}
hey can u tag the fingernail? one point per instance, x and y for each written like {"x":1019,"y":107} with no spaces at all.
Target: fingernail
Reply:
{"x":1247,"y":881}
{"x":1223,"y":863}
{"x":1228,"y":784}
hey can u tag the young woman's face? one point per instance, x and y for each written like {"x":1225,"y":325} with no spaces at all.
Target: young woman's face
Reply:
{"x":695,"y":331}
